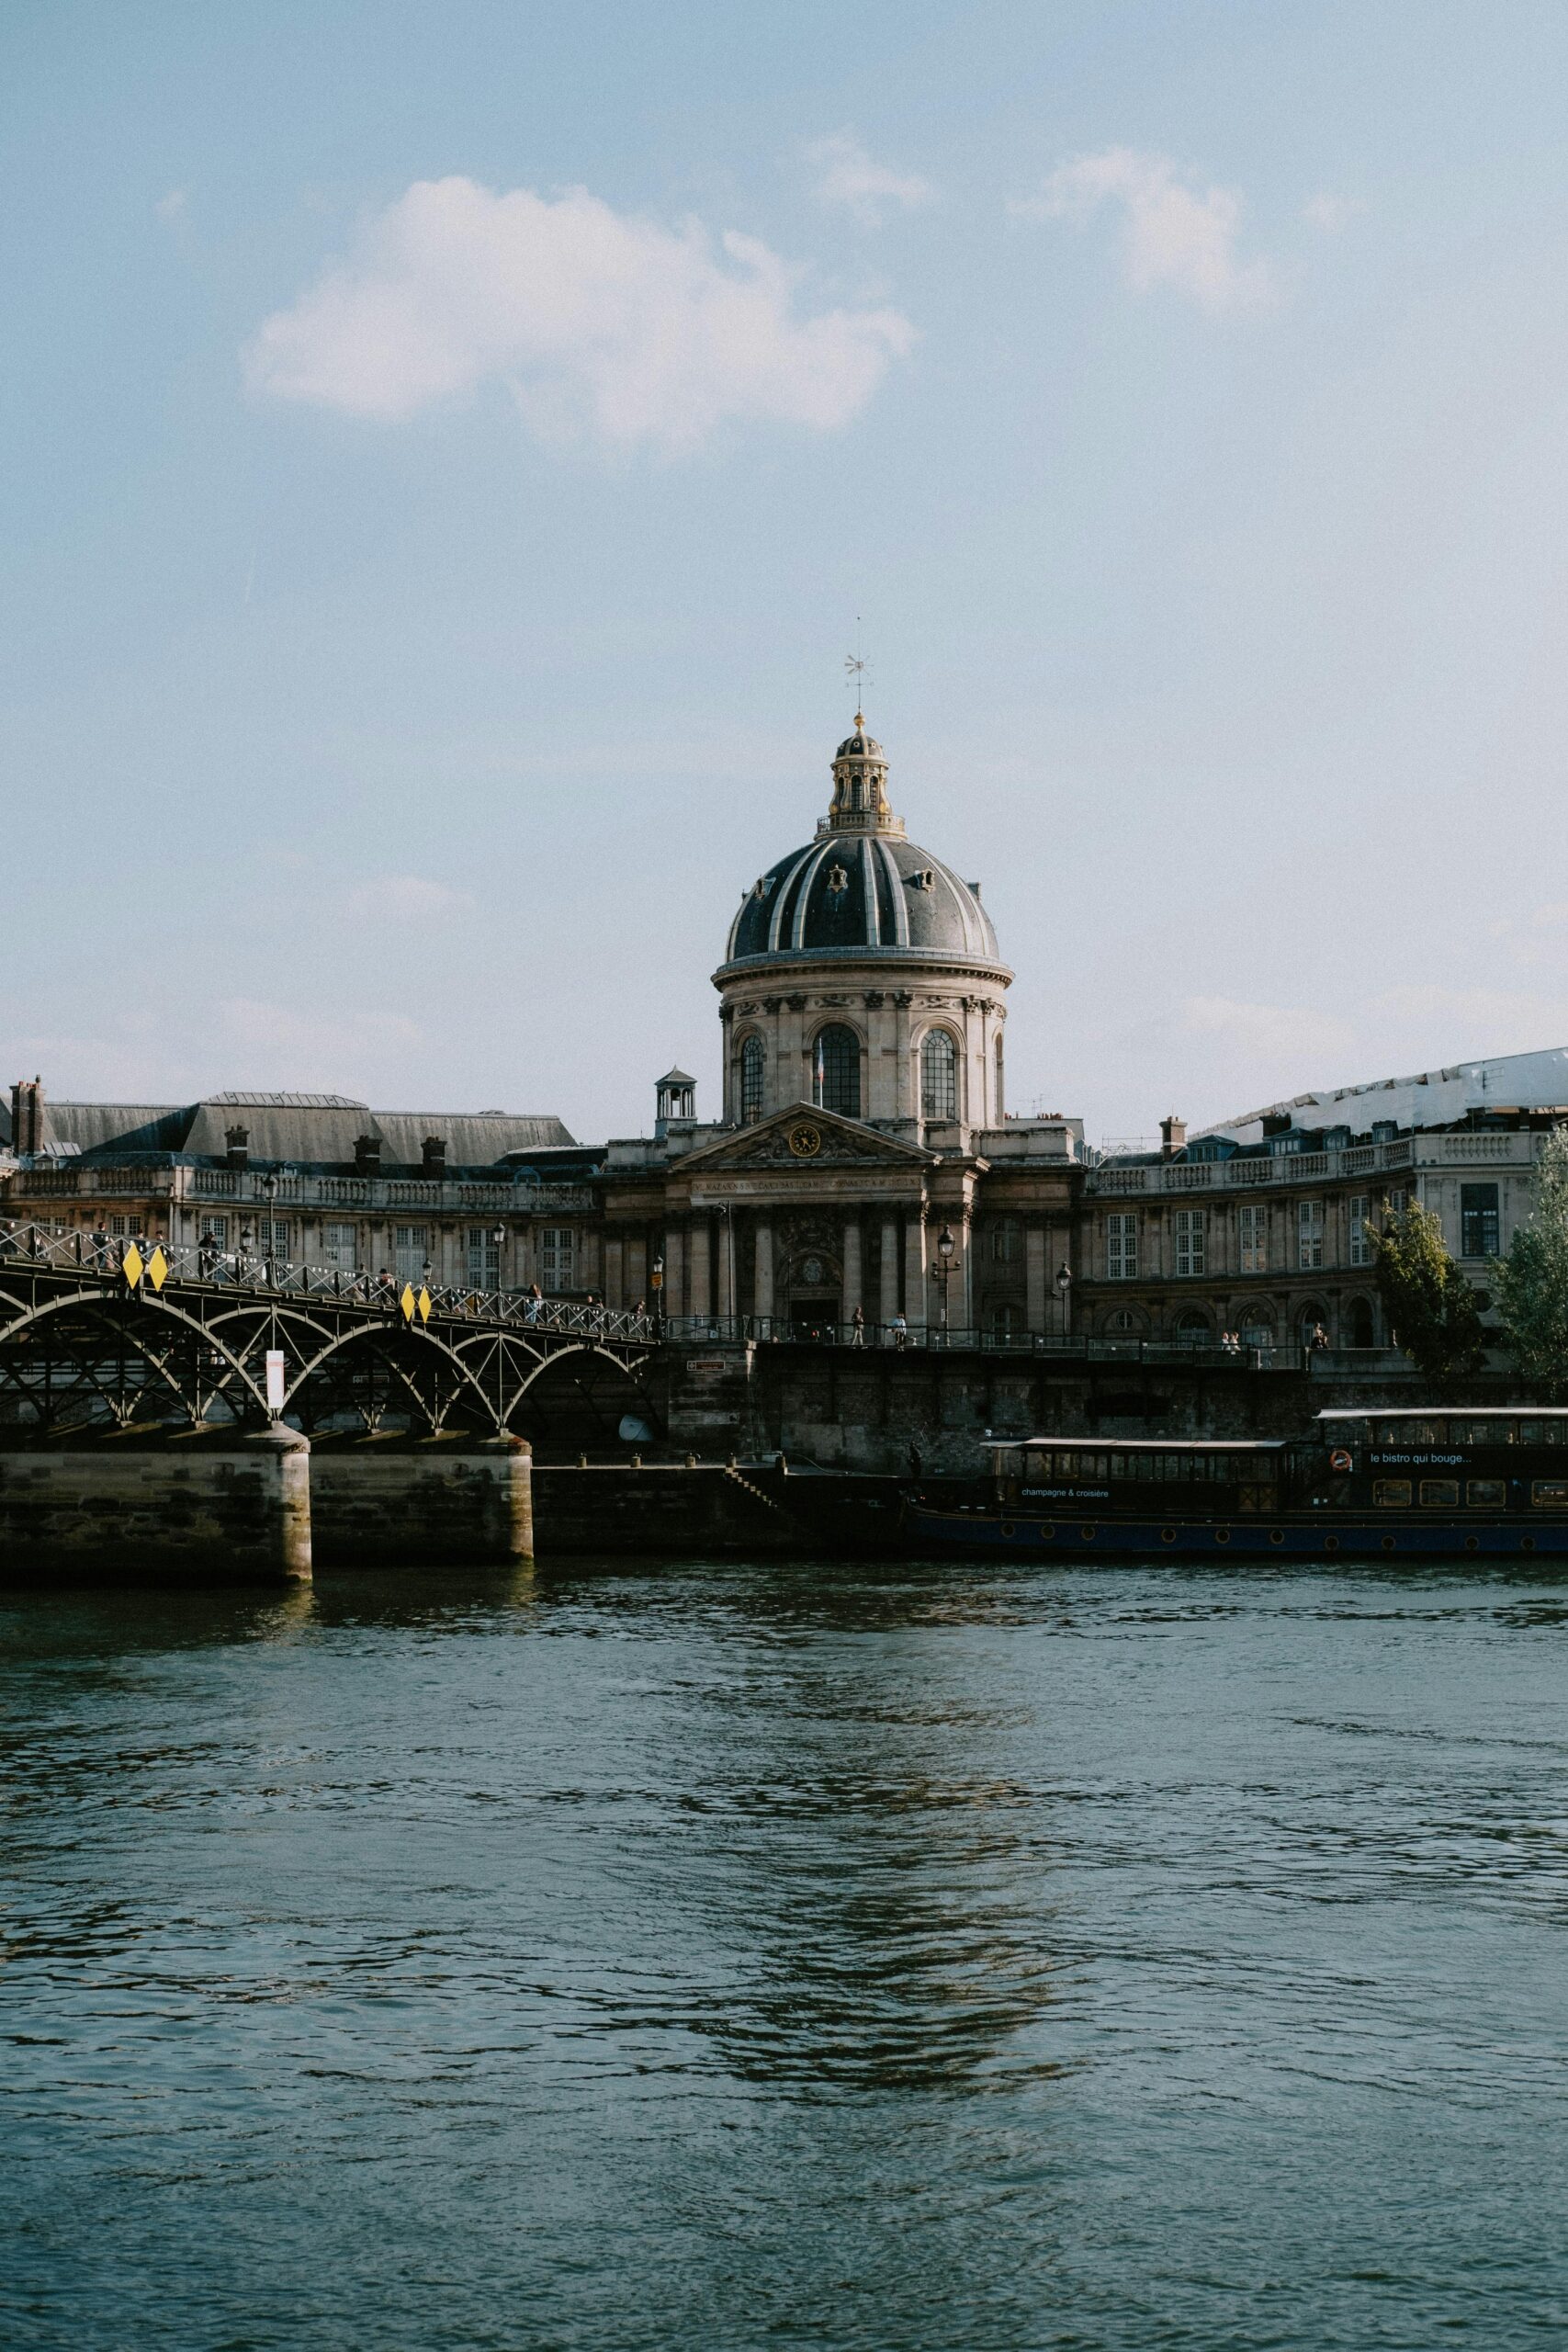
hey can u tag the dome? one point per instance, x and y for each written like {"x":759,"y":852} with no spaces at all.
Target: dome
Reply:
{"x":860,"y":745}
{"x":862,"y":895}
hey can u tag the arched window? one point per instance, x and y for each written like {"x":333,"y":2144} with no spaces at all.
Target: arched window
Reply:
{"x":835,"y":1071}
{"x":1192,"y":1330}
{"x":939,"y":1076}
{"x":753,"y":1059}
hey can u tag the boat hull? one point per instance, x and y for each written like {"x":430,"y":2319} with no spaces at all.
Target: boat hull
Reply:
{"x":1315,"y":1535}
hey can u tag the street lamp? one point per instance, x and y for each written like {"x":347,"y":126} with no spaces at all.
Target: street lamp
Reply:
{"x":1065,"y":1293}
{"x":270,"y":1194}
{"x":945,"y":1246}
{"x":498,"y":1243}
{"x":656,"y":1283}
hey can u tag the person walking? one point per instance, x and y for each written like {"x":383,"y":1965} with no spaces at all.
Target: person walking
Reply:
{"x":857,"y":1328}
{"x":900,"y":1332}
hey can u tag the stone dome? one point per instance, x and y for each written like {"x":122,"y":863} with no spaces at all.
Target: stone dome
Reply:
{"x":861,"y":888}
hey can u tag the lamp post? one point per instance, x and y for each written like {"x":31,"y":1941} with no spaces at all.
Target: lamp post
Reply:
{"x":498,"y":1238}
{"x":1065,"y":1293}
{"x":270,"y":1194}
{"x":243,"y":1264}
{"x":656,"y":1283}
{"x":945,"y":1246}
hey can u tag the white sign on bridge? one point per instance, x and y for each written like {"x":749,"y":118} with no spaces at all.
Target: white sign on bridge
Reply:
{"x":275,"y":1382}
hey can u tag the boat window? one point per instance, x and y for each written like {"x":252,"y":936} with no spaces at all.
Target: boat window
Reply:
{"x":1550,"y":1494}
{"x":1392,"y":1433}
{"x":1439,"y":1494}
{"x":1391,"y":1493}
{"x":1543,"y":1432}
{"x":1486,"y":1494}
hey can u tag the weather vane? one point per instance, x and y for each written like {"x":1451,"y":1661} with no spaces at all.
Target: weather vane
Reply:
{"x":857,"y":671}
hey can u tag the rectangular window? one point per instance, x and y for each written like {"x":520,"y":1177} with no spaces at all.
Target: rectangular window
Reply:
{"x":557,"y":1258}
{"x":411,"y":1249}
{"x":1485,"y":1494}
{"x":1392,"y":1494}
{"x":484,"y":1258}
{"x":1360,"y":1247}
{"x":1478,"y":1220}
{"x":338,"y":1248}
{"x":118,"y":1228}
{"x":1309,"y":1234}
{"x":1122,"y":1246}
{"x":1439,"y":1494}
{"x":271,"y":1236}
{"x":1252,"y":1226}
{"x":1004,"y":1241}
{"x":1550,"y":1494}
{"x":1192,"y":1231}
{"x":216,"y":1229}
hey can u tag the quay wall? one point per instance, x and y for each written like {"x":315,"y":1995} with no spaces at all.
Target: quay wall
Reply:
{"x":383,"y":1501}
{"x":238,"y":1510}
{"x":862,"y":1408}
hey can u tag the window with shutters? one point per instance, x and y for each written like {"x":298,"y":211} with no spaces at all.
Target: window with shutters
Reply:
{"x":1360,"y":1246}
{"x":484,"y":1258}
{"x":1122,"y":1245}
{"x":1191,"y":1234}
{"x":216,"y":1229}
{"x":338,"y":1248}
{"x":1252,"y":1233}
{"x":411,"y":1251}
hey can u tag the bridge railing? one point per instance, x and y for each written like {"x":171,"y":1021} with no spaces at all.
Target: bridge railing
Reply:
{"x":104,"y":1258}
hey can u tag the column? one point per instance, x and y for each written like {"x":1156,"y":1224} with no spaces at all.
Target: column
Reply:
{"x":888,"y":1306}
{"x":852,"y":1295}
{"x":635,"y":1275}
{"x":701,"y":1286}
{"x":613,"y":1280}
{"x":762,"y":1268}
{"x":674,"y":1269}
{"x":915,"y":1278}
{"x":724,"y":1235}
{"x":962,"y":1313}
{"x":1035,"y":1277}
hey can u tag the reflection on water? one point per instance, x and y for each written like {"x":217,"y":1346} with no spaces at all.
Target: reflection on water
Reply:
{"x":732,"y":1957}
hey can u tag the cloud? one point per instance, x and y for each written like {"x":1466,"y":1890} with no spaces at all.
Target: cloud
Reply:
{"x":848,"y":177}
{"x":300,"y":1051}
{"x":1269,"y":1029}
{"x":595,"y":320}
{"x":1332,"y":212}
{"x":405,"y":898}
{"x":1172,"y":235}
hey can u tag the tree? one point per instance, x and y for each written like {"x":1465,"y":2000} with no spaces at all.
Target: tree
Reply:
{"x":1431,"y":1308}
{"x":1532,"y":1280}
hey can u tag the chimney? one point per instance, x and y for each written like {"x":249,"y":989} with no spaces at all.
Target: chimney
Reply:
{"x":239,"y":1142}
{"x":433,"y":1148}
{"x":367,"y":1155}
{"x":27,"y":1116}
{"x":1172,"y":1137}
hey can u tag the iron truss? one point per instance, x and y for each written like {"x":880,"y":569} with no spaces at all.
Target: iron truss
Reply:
{"x":93,"y":1332}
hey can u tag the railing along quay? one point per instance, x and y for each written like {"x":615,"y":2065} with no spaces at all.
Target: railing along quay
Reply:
{"x":932,"y":1340}
{"x":253,"y":1274}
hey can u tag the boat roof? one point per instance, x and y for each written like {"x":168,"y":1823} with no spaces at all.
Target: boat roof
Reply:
{"x":1444,"y":1412}
{"x":1143,"y":1444}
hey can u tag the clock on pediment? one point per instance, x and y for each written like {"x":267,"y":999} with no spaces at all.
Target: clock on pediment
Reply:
{"x":805,"y":1140}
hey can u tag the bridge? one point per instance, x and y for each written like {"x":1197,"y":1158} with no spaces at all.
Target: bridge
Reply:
{"x":121,"y":1334}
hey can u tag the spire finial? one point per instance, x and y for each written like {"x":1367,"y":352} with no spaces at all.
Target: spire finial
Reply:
{"x":857,"y":674}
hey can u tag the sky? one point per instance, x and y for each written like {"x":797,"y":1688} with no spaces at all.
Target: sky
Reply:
{"x":450,"y":455}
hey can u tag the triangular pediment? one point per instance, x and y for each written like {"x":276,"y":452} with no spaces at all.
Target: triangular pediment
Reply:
{"x":804,"y":1137}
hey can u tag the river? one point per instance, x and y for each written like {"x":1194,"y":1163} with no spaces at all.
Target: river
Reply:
{"x":915,"y":1959}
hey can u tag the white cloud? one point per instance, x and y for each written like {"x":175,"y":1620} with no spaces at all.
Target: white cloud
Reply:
{"x":593,"y":319}
{"x":848,"y":177}
{"x":1274,"y":1029}
{"x":405,"y":898}
{"x":1332,"y":212}
{"x":344,"y":1055}
{"x":1172,"y":235}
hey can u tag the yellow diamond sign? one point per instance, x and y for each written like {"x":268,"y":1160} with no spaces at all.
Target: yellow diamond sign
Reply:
{"x":406,"y":1303}
{"x":158,"y":1268}
{"x":131,"y":1265}
{"x":422,"y":1302}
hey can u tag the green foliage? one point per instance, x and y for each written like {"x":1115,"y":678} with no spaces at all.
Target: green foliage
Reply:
{"x":1532,"y":1280}
{"x":1431,"y":1308}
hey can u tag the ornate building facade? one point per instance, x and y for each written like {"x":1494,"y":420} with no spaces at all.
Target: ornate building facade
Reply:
{"x":863,"y":1165}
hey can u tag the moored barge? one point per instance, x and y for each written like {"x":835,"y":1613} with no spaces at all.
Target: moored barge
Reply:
{"x":1358,"y":1485}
